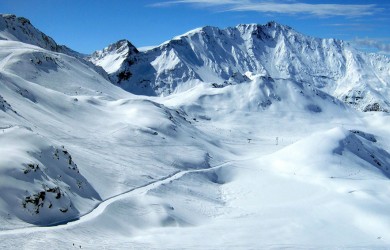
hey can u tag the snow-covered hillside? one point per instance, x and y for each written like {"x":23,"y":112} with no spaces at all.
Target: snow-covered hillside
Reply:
{"x":237,"y":54}
{"x":20,"y":29}
{"x":58,"y":97}
{"x":240,"y":155}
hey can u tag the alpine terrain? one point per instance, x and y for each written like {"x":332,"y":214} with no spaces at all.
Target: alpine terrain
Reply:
{"x":249,"y":137}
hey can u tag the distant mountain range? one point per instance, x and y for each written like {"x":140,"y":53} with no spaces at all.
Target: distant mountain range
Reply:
{"x":230,"y":56}
{"x":233,"y":55}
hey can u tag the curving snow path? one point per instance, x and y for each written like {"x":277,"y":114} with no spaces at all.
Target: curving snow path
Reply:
{"x":5,"y":60}
{"x":99,"y":208}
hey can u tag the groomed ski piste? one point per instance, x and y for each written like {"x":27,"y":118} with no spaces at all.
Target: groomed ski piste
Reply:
{"x":257,"y":162}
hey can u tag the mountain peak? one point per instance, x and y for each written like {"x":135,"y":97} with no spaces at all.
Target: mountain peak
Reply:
{"x":269,"y":28}
{"x":249,"y":29}
{"x":252,"y":28}
{"x":273,"y":24}
{"x":122,"y":46}
{"x":270,"y":24}
{"x":114,"y":55}
{"x":13,"y":17}
{"x":205,"y":29}
{"x":20,"y":29}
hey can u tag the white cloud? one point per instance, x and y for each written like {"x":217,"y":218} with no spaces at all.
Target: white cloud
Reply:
{"x":285,"y":7}
{"x":313,"y":9}
{"x":381,"y":45}
{"x":200,"y":2}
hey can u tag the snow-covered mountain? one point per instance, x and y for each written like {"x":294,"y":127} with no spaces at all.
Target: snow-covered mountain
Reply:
{"x":237,"y":54}
{"x":115,"y":58}
{"x":20,"y":29}
{"x":236,"y":156}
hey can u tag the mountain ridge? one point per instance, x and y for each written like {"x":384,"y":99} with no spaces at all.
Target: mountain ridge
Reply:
{"x":20,"y":29}
{"x":233,"y":55}
{"x":228,"y":56}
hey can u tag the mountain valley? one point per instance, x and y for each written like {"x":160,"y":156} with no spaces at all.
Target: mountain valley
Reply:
{"x":249,"y":137}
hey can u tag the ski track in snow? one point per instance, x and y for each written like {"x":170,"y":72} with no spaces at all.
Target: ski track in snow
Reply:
{"x":5,"y":61}
{"x":99,"y":208}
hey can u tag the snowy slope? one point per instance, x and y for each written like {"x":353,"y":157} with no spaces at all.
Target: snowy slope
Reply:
{"x":255,"y":162}
{"x":232,"y":55}
{"x":40,"y":183}
{"x":58,"y":117}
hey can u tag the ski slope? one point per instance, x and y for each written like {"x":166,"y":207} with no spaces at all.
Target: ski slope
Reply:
{"x":271,"y":190}
{"x":99,"y":208}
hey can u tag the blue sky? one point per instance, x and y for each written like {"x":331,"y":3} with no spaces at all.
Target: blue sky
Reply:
{"x":88,"y":25}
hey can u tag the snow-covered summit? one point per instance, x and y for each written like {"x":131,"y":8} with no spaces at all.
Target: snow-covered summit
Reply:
{"x":20,"y":29}
{"x":111,"y":57}
{"x":226,"y":56}
{"x":245,"y":30}
{"x":115,"y":59}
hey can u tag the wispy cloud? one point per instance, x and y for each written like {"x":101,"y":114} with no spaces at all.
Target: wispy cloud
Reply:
{"x":380,"y":45}
{"x":313,"y":9}
{"x":199,"y":2}
{"x":284,"y":7}
{"x":352,"y":26}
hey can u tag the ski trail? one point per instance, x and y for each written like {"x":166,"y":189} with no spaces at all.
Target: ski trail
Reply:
{"x":4,"y":61}
{"x":99,"y":208}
